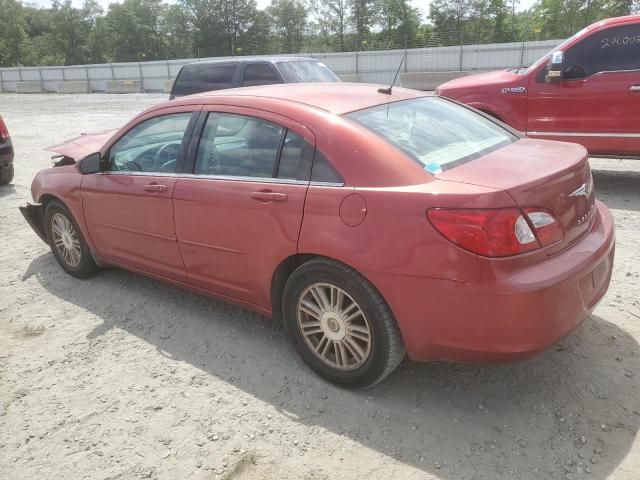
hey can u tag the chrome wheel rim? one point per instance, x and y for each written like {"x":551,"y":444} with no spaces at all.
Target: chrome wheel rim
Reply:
{"x":65,"y":240}
{"x":333,"y":326}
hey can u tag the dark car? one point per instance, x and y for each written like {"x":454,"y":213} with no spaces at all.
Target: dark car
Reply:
{"x":6,"y":154}
{"x":247,"y":72}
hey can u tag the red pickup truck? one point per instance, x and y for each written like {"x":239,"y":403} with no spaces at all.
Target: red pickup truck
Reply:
{"x":586,"y":90}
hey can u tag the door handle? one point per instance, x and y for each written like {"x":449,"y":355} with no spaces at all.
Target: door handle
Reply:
{"x":155,"y":187}
{"x":267,"y":196}
{"x":634,"y":88}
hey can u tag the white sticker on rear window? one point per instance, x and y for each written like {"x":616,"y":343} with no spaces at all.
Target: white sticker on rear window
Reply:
{"x":433,"y":168}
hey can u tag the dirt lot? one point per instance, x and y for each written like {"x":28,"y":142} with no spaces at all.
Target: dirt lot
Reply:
{"x":125,"y":377}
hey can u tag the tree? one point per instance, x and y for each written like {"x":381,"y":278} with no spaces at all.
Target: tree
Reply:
{"x":237,"y":16}
{"x":289,"y":19}
{"x":135,"y":30}
{"x":362,"y":18}
{"x":15,"y":44}
{"x":176,"y":31}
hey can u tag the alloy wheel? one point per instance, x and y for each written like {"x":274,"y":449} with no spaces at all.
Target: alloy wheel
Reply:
{"x":65,"y":240}
{"x":334,"y":326}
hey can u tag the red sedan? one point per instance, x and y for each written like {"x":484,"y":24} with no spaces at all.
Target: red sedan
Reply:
{"x":370,"y":222}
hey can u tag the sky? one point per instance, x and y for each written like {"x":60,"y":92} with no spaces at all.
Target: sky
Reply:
{"x":421,"y":4}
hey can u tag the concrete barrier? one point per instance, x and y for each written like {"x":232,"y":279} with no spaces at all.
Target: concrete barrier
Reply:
{"x":28,"y":87}
{"x":168,"y":85}
{"x":75,"y":86}
{"x":124,"y":86}
{"x":350,"y":77}
{"x":428,"y":80}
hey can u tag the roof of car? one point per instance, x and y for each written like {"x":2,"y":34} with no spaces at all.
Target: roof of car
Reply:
{"x":270,"y":59}
{"x":338,"y":98}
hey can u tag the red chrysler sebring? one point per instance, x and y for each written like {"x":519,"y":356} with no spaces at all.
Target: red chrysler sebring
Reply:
{"x":372,"y":223}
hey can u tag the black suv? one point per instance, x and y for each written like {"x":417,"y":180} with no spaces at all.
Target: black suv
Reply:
{"x":248,"y":71}
{"x":6,"y":155}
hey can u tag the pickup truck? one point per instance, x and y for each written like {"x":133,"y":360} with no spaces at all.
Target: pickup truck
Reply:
{"x":586,"y":90}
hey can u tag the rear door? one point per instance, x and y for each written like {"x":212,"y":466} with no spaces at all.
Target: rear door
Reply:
{"x":598,"y":102}
{"x":238,"y":215}
{"x":128,"y":207}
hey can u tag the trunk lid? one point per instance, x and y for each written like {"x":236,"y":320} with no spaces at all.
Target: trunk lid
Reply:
{"x":86,"y":144}
{"x":539,"y":173}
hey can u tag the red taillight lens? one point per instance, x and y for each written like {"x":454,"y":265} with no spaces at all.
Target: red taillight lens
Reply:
{"x":492,"y":233}
{"x":547,"y":227}
{"x":4,"y":132}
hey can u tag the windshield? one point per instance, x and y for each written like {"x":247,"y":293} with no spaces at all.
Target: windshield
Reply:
{"x":546,"y":56}
{"x":306,"y":71}
{"x":436,"y":133}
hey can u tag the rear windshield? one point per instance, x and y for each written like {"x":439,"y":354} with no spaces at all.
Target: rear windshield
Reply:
{"x":436,"y":133}
{"x":306,"y":71}
{"x":203,"y":78}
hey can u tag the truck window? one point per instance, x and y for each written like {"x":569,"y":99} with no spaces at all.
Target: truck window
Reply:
{"x":259,"y":74}
{"x":204,"y":77}
{"x":610,"y":50}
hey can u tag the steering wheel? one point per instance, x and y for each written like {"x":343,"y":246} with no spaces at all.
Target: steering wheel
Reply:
{"x":128,"y":166}
{"x":167,"y":153}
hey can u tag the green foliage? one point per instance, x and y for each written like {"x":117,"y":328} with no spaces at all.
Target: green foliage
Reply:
{"x":138,"y":30}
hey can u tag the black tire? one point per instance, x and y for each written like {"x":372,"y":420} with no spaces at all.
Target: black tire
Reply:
{"x":6,"y":173}
{"x":86,"y":266}
{"x":386,"y":346}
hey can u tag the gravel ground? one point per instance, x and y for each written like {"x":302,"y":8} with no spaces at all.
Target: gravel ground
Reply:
{"x":121,"y":376}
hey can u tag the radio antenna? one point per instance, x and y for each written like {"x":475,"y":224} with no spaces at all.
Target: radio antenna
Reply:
{"x":388,"y":90}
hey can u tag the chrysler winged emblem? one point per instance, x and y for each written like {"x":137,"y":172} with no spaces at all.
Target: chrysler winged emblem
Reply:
{"x":583,"y":190}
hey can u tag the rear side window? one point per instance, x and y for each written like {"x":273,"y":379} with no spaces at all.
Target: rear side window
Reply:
{"x":323,"y":171}
{"x":259,"y":74}
{"x":295,"y":157}
{"x":304,"y":71}
{"x":197,"y":78}
{"x":436,"y":133}
{"x":610,"y":50}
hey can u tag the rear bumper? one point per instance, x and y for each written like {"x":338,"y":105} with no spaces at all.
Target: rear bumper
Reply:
{"x":34,"y":215}
{"x":514,"y":315}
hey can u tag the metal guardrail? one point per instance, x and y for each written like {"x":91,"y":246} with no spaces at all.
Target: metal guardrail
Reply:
{"x":370,"y":66}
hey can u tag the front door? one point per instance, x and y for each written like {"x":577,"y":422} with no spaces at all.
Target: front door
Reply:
{"x":128,"y":207}
{"x":239,"y":214}
{"x":598,"y":102}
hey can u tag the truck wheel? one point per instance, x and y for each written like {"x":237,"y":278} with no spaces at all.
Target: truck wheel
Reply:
{"x":340,"y":325}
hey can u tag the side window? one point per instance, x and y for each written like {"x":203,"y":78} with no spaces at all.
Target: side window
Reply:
{"x":204,"y":77}
{"x":259,"y":74}
{"x":238,"y":146}
{"x":609,"y":50}
{"x":323,"y":171}
{"x":295,"y":158}
{"x":154,"y":145}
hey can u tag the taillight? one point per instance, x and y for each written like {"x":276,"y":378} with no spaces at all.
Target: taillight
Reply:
{"x":497,"y":232}
{"x":4,"y":132}
{"x":545,"y":224}
{"x":492,"y":233}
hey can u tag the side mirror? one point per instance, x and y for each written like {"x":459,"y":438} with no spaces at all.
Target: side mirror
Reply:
{"x":555,"y":68}
{"x":91,"y":164}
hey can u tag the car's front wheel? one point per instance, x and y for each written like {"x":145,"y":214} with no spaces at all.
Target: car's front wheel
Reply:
{"x":66,"y":241}
{"x":340,"y":324}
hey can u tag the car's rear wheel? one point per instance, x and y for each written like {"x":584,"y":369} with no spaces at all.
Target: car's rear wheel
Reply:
{"x":66,"y":241}
{"x":6,"y":173}
{"x":340,"y":324}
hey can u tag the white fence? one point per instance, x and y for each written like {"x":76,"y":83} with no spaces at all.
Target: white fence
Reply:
{"x":374,"y":66}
